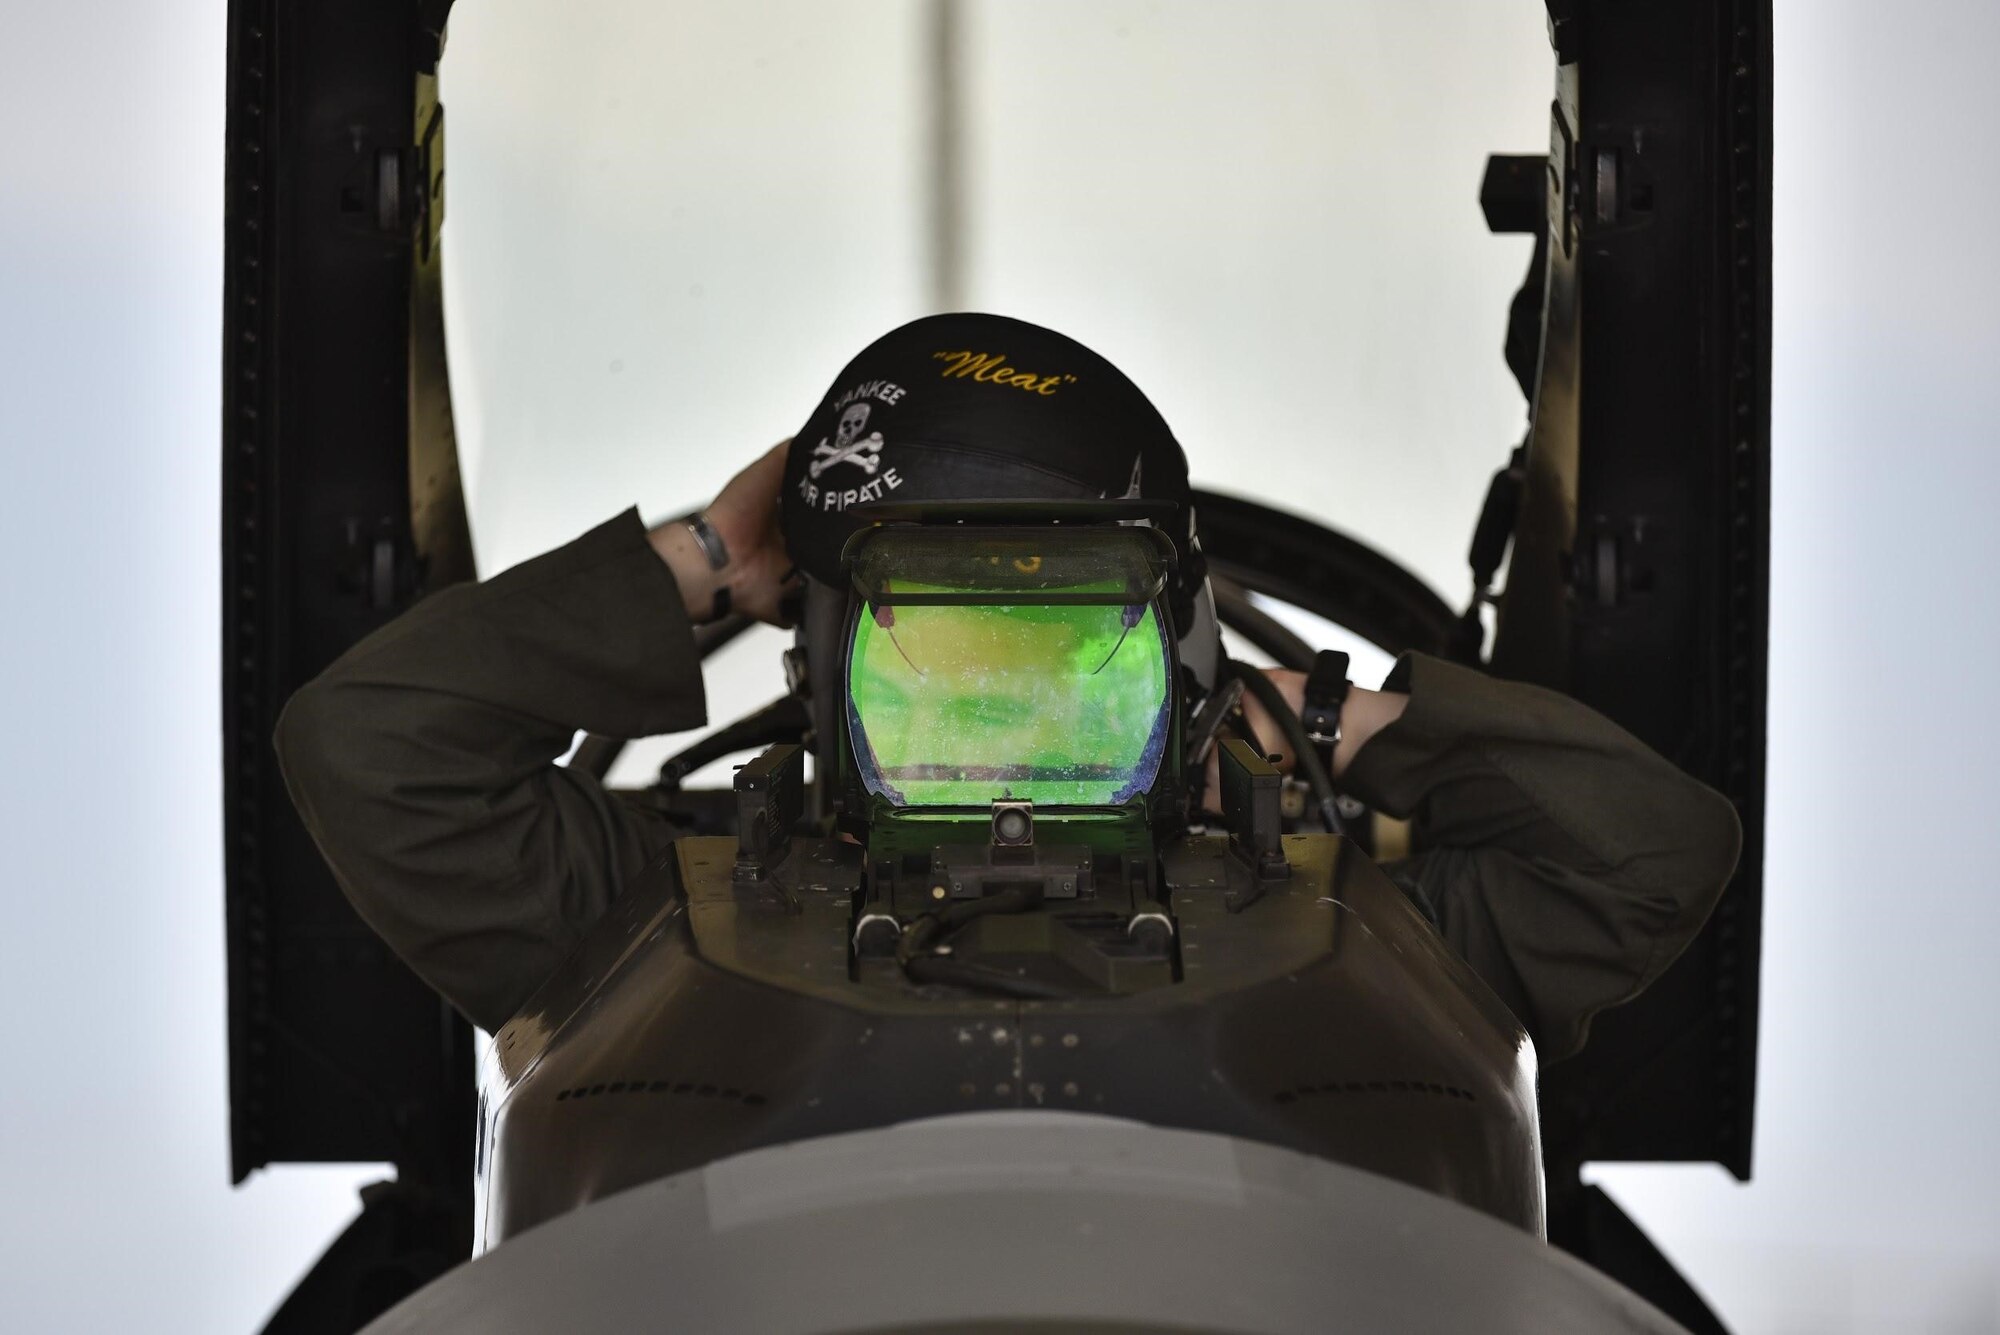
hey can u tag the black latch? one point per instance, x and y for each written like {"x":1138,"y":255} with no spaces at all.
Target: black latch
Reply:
{"x":1608,"y":565}
{"x":1514,"y":193}
{"x":770,"y":799}
{"x":1251,"y":791}
{"x":377,"y":563}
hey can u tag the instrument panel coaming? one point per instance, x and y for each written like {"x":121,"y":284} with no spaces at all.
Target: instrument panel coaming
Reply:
{"x":706,"y":1016}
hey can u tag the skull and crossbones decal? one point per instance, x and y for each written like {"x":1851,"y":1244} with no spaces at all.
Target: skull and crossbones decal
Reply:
{"x":848,"y":445}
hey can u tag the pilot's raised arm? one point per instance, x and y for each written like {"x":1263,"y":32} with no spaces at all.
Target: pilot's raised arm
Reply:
{"x":423,"y":759}
{"x":1567,"y":861}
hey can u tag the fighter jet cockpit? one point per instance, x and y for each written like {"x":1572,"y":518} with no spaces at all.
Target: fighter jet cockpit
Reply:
{"x":1009,"y":912}
{"x":1018,"y":961}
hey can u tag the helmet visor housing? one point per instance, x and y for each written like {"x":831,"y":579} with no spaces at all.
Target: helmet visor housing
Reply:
{"x":1023,"y":664}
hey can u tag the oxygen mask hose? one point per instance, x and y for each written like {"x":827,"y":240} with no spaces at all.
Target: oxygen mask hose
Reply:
{"x":926,"y":958}
{"x":1268,"y":695}
{"x":926,"y":929}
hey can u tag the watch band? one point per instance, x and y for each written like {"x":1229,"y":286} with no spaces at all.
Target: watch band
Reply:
{"x":713,"y":548}
{"x":714,"y":551}
{"x":1326,"y":691}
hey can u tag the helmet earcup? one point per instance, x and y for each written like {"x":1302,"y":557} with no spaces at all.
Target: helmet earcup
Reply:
{"x":1200,"y":644}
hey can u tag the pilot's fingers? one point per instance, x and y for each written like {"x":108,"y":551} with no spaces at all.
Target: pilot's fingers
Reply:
{"x":791,"y":600}
{"x":1270,"y":738}
{"x":771,"y":597}
{"x":1261,"y":731}
{"x":746,"y":510}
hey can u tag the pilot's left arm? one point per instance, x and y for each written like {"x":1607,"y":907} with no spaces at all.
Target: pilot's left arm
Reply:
{"x":1564,"y":859}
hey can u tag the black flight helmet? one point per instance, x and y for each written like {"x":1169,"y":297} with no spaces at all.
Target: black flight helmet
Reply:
{"x":1005,"y":599}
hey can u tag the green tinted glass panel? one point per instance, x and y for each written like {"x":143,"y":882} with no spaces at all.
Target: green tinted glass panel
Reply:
{"x":960,"y":705}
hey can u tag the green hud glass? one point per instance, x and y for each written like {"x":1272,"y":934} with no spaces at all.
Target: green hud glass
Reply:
{"x":990,"y":664}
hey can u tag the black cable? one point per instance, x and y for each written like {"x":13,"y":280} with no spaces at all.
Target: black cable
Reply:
{"x":1273,"y":700}
{"x":915,"y":951}
{"x":711,"y":637}
{"x":1209,"y":720}
{"x":928,"y":927}
{"x":1235,"y":610}
{"x":785,"y":719}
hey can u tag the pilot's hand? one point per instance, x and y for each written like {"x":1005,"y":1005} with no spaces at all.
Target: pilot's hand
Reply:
{"x":744,"y":516}
{"x":1270,"y":738}
{"x":1363,"y":715}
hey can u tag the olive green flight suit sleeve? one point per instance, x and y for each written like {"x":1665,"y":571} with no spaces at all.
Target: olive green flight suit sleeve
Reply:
{"x":423,"y":761}
{"x":1563,"y":858}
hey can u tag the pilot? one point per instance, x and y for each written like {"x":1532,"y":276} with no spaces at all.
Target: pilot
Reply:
{"x":1567,"y":862}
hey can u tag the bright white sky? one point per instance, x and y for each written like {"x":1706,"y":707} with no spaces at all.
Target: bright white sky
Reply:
{"x":664,"y":242}
{"x":668,"y":230}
